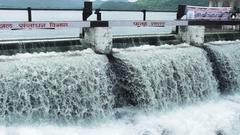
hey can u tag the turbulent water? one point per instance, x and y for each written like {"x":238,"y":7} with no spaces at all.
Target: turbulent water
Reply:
{"x":167,"y":90}
{"x":220,"y":117}
{"x":226,"y":60}
{"x":168,"y":75}
{"x":54,"y":87}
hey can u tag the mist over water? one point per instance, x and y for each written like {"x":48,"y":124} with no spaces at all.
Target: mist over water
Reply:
{"x":167,"y":90}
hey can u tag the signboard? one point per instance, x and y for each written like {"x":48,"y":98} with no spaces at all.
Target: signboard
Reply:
{"x":149,"y":23}
{"x":81,"y":24}
{"x":208,"y":13}
{"x":42,"y":25}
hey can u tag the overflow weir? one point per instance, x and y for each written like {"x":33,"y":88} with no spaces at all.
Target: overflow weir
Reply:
{"x":121,"y":85}
{"x":11,"y":47}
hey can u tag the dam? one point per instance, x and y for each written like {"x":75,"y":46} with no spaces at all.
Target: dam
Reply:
{"x":143,"y":87}
{"x":143,"y":90}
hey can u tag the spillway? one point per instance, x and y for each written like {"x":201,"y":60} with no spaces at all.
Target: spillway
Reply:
{"x":164,"y":76}
{"x":58,"y":87}
{"x":147,"y":90}
{"x":225,"y":58}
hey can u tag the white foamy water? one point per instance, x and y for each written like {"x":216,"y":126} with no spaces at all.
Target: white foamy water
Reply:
{"x":63,"y":87}
{"x":227,"y":59}
{"x":169,"y":75}
{"x":45,"y":93}
{"x":224,"y":42}
{"x":43,"y":54}
{"x":208,"y":118}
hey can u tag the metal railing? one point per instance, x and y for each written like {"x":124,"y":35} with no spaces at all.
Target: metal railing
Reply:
{"x":96,"y":11}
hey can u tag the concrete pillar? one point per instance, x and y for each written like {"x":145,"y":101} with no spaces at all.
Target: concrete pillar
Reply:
{"x":210,"y":3}
{"x":99,"y":38}
{"x":193,"y":35}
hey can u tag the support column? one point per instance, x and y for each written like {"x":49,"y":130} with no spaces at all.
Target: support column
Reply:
{"x":210,"y":3}
{"x":99,"y":38}
{"x":193,"y":35}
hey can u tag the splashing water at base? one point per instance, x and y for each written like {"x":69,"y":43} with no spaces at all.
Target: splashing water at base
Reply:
{"x":217,"y":117}
{"x":59,"y":93}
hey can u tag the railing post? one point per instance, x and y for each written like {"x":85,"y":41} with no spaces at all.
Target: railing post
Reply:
{"x":87,"y":10}
{"x":144,"y":15}
{"x":99,"y":14}
{"x":29,"y":14}
{"x":180,"y":13}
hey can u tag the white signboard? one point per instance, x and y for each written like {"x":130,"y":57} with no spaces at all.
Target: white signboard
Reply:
{"x":208,"y":13}
{"x":81,"y":24}
{"x":43,"y":25}
{"x":149,"y":23}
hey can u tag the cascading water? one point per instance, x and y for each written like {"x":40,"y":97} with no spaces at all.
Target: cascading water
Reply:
{"x":54,"y":87}
{"x":166,"y":76}
{"x":137,"y":91}
{"x":225,"y":57}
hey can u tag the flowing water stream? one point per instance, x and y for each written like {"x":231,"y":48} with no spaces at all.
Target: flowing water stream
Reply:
{"x":166,"y":90}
